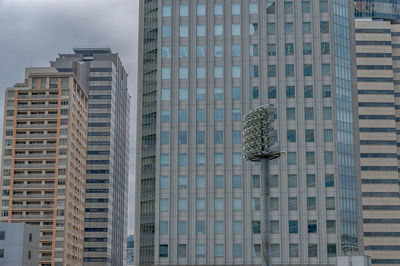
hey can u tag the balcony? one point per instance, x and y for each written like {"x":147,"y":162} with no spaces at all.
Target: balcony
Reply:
{"x":33,"y":196}
{"x":33,"y":206}
{"x":38,"y":155}
{"x":30,"y":136}
{"x":34,"y":165}
{"x":29,"y":186}
{"x":37,"y":126}
{"x":50,"y":176}
{"x":44,"y":96}
{"x":42,"y":145}
{"x":37,"y":116}
{"x":37,"y":106}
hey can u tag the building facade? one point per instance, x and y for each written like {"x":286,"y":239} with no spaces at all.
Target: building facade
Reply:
{"x":107,"y":154}
{"x":130,"y":250}
{"x":202,"y":64}
{"x":44,"y":161}
{"x":19,"y":244}
{"x":382,"y":9}
{"x":378,"y":68}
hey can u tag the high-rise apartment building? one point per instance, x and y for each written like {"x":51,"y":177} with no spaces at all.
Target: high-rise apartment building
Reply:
{"x":107,"y":153}
{"x":378,"y":73}
{"x":44,"y":161}
{"x":202,"y":65}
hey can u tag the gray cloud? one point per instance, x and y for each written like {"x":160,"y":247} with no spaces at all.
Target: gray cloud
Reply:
{"x":33,"y":32}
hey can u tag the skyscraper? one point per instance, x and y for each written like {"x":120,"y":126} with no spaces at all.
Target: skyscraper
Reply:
{"x":202,"y":64}
{"x":378,"y":62}
{"x":44,"y":161}
{"x":108,"y":156}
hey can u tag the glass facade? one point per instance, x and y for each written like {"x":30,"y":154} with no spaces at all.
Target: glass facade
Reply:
{"x":385,"y":9}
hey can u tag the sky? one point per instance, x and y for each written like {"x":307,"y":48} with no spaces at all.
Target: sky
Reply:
{"x":33,"y":32}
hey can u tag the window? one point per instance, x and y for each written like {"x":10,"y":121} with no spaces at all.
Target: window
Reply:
{"x":219,"y":115}
{"x":183,"y":94}
{"x":253,"y":49}
{"x":182,"y":115}
{"x":293,"y":227}
{"x":326,"y":69}
{"x":183,"y":52}
{"x":253,"y":29}
{"x":307,"y":48}
{"x":166,"y":11}
{"x":218,"y":181}
{"x":163,"y":227}
{"x":292,"y":203}
{"x":307,"y":70}
{"x":237,"y":227}
{"x":305,"y":7}
{"x":323,"y":6}
{"x":256,"y":250}
{"x":182,"y":204}
{"x":201,"y":30}
{"x":274,"y":204}
{"x":181,"y":250}
{"x":237,"y":204}
{"x":329,"y":180}
{"x":163,"y":251}
{"x":291,"y":113}
{"x":236,"y":136}
{"x":289,"y":48}
{"x":218,"y":30}
{"x":201,"y":94}
{"x":219,"y":204}
{"x":326,"y":91}
{"x":237,"y":181}
{"x":291,"y":135}
{"x":236,"y":29}
{"x":2,"y":235}
{"x":236,"y":93}
{"x":164,"y":181}
{"x":237,"y":159}
{"x":312,"y":227}
{"x":201,"y":159}
{"x":163,"y":205}
{"x":290,"y":91}
{"x":308,"y":113}
{"x":327,"y":113}
{"x":219,"y":227}
{"x":325,"y":50}
{"x":308,"y":91}
{"x":165,"y":116}
{"x":307,"y":27}
{"x":218,"y":137}
{"x":218,"y":9}
{"x":324,"y":26}
{"x":236,"y":71}
{"x":274,"y":227}
{"x":184,"y":10}
{"x":201,"y":10}
{"x":270,"y":7}
{"x":218,"y":72}
{"x":166,"y":31}
{"x":219,"y":250}
{"x":288,"y":27}
{"x":218,"y":51}
{"x":331,"y":226}
{"x":183,"y":73}
{"x":328,"y":135}
{"x":236,"y":114}
{"x":310,"y":157}
{"x":219,"y":159}
{"x":201,"y":51}
{"x":271,"y":71}
{"x":235,"y":49}
{"x":292,"y":181}
{"x":200,"y":227}
{"x":164,"y":137}
{"x":288,"y":7}
{"x":200,"y":181}
{"x":328,"y":156}
{"x":165,"y":73}
{"x":235,"y":9}
{"x":271,"y":49}
{"x":201,"y":115}
{"x":289,"y":71}
{"x":312,"y":250}
{"x":166,"y":52}
{"x":293,"y":250}
{"x":165,"y":94}
{"x":275,"y":250}
{"x":309,"y":135}
{"x":200,"y":250}
{"x":255,"y":181}
{"x":311,"y":203}
{"x":310,"y":180}
{"x":164,"y":159}
{"x":273,"y":181}
{"x":330,"y":203}
{"x":256,"y":227}
{"x":271,"y":29}
{"x":253,"y":8}
{"x":200,"y":137}
{"x":331,"y":249}
{"x":237,"y":250}
{"x":181,"y":227}
{"x":182,"y":181}
{"x":291,"y":157}
{"x":272,"y":92}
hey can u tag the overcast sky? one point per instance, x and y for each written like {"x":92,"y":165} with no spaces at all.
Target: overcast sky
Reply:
{"x":33,"y":32}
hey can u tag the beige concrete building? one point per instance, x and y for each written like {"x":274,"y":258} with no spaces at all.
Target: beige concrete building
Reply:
{"x":378,"y":69}
{"x":44,"y":162}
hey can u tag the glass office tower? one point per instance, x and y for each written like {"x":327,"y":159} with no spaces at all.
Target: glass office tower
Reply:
{"x":202,"y":64}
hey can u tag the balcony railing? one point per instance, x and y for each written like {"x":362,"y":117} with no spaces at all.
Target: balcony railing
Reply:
{"x":35,"y":106}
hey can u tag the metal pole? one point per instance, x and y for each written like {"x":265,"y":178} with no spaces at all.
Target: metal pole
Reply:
{"x":266,"y":243}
